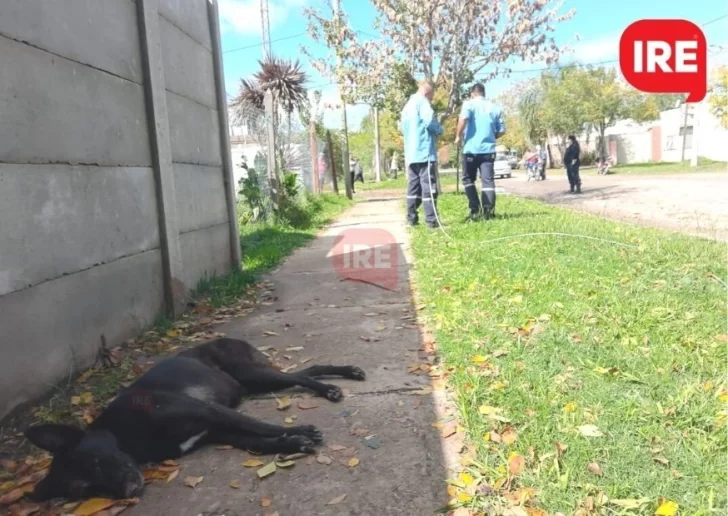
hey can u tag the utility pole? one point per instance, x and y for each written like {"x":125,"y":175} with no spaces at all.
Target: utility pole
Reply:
{"x":344,"y":125}
{"x":377,"y":147}
{"x":265,"y":34}
{"x":685,"y":132}
{"x":696,"y":138}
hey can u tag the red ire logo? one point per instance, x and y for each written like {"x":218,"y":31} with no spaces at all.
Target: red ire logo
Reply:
{"x":368,"y":255}
{"x":665,"y":56}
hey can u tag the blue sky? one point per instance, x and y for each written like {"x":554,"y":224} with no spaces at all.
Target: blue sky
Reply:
{"x":592,"y":34}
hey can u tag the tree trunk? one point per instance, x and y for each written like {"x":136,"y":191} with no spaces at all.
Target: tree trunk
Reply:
{"x":377,"y":148}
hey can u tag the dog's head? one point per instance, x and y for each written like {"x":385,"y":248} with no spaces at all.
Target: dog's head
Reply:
{"x":85,"y":464}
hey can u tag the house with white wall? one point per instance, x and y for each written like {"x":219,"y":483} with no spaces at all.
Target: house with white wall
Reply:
{"x":662,"y":140}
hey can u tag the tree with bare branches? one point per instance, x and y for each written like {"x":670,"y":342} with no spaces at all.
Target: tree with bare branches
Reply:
{"x":446,"y":41}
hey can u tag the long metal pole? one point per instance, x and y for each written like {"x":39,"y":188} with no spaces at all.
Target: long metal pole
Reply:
{"x":344,"y":126}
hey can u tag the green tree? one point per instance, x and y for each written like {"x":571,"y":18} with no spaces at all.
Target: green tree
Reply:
{"x":530,"y":107}
{"x":605,"y":100}
{"x":718,"y":100}
{"x":668,"y":100}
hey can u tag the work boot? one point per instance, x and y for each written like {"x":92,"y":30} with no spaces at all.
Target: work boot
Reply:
{"x":571,"y":188}
{"x":578,"y":189}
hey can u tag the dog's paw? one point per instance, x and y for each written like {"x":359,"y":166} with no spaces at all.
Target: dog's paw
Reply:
{"x":302,"y":444}
{"x":310,"y":432}
{"x":357,"y":373}
{"x":333,"y":393}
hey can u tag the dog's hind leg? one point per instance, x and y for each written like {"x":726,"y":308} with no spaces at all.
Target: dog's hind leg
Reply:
{"x":281,"y":444}
{"x":350,"y":372}
{"x":263,"y":379}
{"x":226,"y":420}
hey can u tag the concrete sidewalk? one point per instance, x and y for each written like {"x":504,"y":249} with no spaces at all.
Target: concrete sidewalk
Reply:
{"x":402,"y":468}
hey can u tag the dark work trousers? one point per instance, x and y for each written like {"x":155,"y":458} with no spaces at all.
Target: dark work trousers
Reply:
{"x":483,"y":164}
{"x":419,"y":178}
{"x":572,"y":172}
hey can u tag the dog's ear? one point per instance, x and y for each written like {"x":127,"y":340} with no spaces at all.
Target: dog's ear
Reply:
{"x":54,"y":438}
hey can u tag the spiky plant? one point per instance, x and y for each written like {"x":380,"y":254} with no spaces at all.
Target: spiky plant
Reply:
{"x":286,"y":80}
{"x":247,"y":106}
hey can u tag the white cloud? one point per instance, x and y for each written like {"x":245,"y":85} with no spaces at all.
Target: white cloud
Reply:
{"x":243,"y":16}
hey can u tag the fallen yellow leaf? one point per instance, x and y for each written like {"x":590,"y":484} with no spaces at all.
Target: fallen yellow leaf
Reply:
{"x":570,"y":407}
{"x":466,"y":478}
{"x":235,"y":484}
{"x":193,"y":481}
{"x":667,"y":508}
{"x":253,"y":463}
{"x":487,"y":410}
{"x":590,"y":431}
{"x":284,"y":402}
{"x":337,"y":500}
{"x":516,"y":464}
{"x":509,"y":436}
{"x":92,"y":506}
{"x":267,"y":470}
{"x":353,"y":462}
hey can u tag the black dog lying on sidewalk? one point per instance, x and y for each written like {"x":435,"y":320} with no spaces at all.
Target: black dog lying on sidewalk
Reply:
{"x":177,"y":406}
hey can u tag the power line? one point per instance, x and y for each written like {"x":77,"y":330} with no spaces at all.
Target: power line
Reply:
{"x":598,"y":63}
{"x":256,"y":45}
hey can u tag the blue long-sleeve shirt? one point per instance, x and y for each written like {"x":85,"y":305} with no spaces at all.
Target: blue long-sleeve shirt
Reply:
{"x":420,"y":130}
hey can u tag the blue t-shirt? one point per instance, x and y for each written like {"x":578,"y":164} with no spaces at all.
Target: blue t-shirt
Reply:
{"x":485,"y":120}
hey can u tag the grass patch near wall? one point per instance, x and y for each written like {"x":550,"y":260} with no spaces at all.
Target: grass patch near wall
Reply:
{"x":589,"y":370}
{"x":266,"y":245}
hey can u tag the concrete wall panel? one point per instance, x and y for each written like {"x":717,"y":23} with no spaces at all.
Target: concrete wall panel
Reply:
{"x":54,"y":329}
{"x":205,"y":252}
{"x":193,"y":131}
{"x":55,"y":110}
{"x":187,"y":65}
{"x":59,"y":219}
{"x":200,"y":196}
{"x":190,"y":16}
{"x":100,"y":33}
{"x":112,"y":202}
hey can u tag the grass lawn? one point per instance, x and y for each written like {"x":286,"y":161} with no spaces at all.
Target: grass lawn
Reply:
{"x":447,"y":177}
{"x":641,"y":169}
{"x":266,"y":245}
{"x":602,"y":366}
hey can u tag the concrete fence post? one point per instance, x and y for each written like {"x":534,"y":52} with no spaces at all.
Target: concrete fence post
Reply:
{"x":222,"y":114}
{"x":271,"y":150}
{"x":160,"y":146}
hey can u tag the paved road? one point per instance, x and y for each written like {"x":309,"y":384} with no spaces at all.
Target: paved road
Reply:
{"x":691,"y":203}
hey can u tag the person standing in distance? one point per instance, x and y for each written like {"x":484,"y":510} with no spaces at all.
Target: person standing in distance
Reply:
{"x":482,"y":123}
{"x":420,"y":129}
{"x":571,"y":162}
